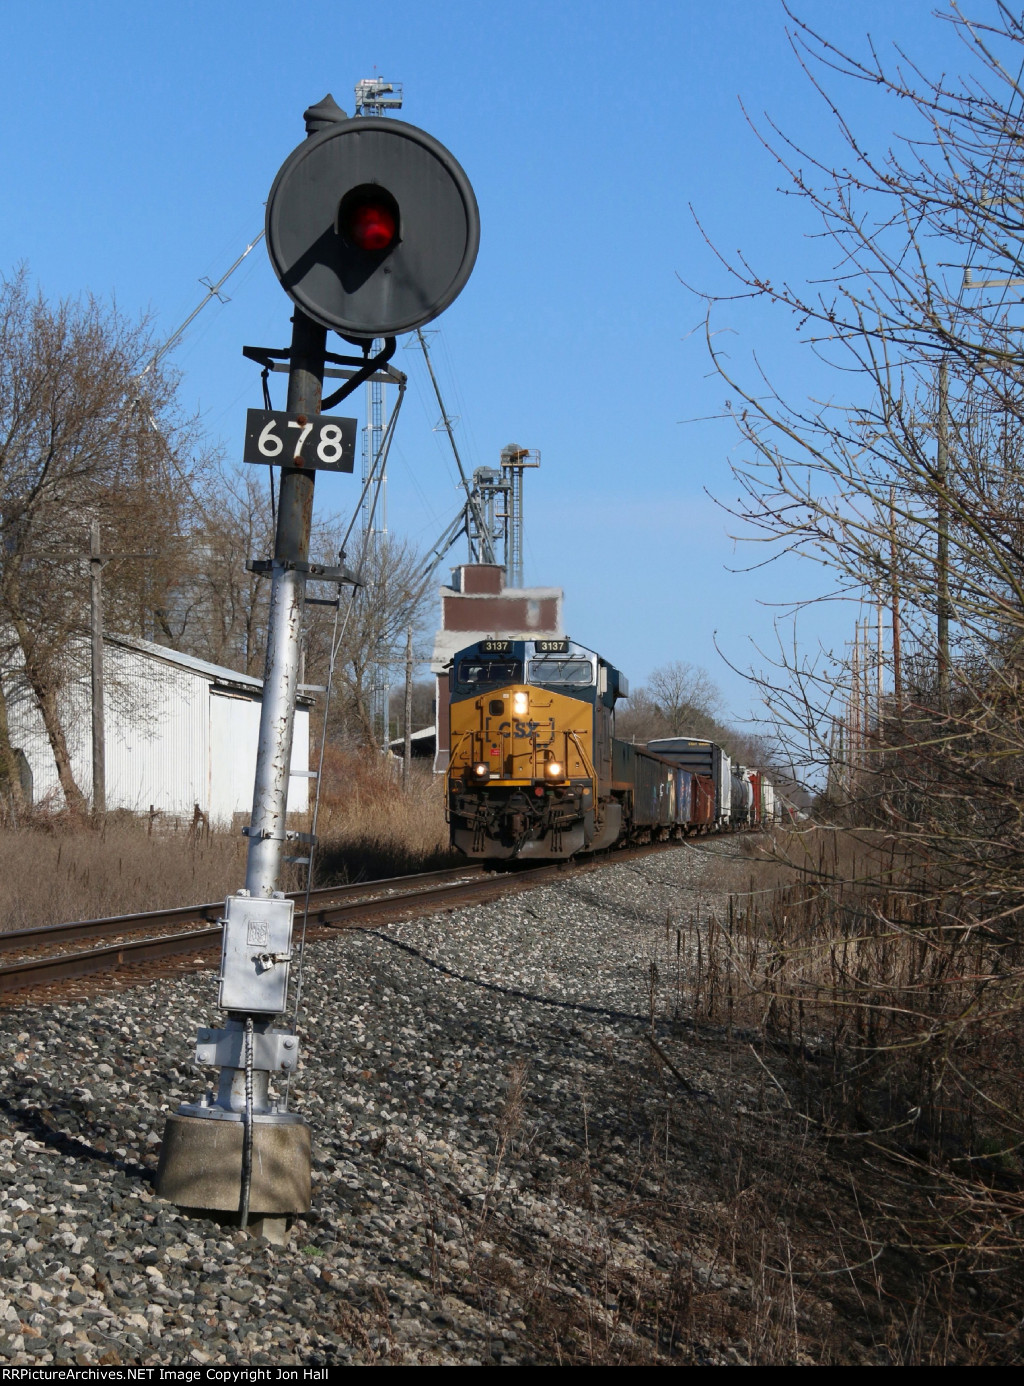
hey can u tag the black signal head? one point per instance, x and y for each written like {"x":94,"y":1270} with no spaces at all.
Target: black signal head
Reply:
{"x":372,"y":227}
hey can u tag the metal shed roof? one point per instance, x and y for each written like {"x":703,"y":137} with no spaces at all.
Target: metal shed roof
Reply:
{"x":215,"y":673}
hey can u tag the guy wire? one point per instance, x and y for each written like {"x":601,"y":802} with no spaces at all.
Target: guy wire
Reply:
{"x":337,"y":637}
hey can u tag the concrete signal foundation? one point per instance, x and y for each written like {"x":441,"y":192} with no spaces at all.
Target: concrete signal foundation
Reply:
{"x":201,"y":1166}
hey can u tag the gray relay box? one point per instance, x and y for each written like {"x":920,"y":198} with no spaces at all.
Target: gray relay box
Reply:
{"x":256,"y":954}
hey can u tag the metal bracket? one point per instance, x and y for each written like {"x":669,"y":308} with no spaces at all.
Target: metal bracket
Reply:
{"x":364,"y":367}
{"x":287,"y":835}
{"x":313,"y":572}
{"x":272,"y":1050}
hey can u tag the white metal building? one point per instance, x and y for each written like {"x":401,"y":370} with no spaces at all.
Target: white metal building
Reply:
{"x":179,"y":732}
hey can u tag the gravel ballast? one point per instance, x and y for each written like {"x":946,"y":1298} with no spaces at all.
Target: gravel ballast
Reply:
{"x":523,"y":1151}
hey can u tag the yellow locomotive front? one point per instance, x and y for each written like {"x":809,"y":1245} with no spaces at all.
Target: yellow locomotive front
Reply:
{"x":530,"y":768}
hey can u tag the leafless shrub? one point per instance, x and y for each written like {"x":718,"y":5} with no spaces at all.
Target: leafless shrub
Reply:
{"x":888,"y":968}
{"x":370,"y":827}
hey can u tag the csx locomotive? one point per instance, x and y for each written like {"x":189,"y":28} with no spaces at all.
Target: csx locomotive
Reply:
{"x":537,"y":772}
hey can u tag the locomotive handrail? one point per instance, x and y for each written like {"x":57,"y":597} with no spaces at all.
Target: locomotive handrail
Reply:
{"x":588,"y":764}
{"x":448,"y":771}
{"x":455,"y":752}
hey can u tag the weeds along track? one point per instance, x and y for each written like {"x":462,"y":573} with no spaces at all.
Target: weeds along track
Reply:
{"x":135,"y":947}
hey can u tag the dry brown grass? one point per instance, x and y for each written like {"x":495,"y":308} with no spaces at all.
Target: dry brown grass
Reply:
{"x":370,"y":827}
{"x":916,"y":1003}
{"x":56,"y":868}
{"x":893,"y":1017}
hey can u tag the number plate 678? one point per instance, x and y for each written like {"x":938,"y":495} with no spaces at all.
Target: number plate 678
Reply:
{"x":317,"y":442}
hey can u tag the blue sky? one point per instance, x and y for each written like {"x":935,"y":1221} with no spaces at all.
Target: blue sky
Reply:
{"x":141,"y":141}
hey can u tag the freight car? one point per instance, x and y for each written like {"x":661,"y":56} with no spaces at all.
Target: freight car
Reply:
{"x":705,"y":758}
{"x":745,"y":798}
{"x":537,"y":772}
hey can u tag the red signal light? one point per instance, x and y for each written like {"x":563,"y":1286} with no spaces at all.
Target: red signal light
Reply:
{"x":368,"y":219}
{"x":372,"y":227}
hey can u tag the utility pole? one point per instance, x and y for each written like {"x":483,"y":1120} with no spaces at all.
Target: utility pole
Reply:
{"x":99,"y":743}
{"x":97,"y":562}
{"x":879,"y":672}
{"x":942,"y":536}
{"x":855,"y":708}
{"x":407,"y":748}
{"x":869,"y":734}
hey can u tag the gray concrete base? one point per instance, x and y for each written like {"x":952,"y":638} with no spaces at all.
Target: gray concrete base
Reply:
{"x":273,"y":1230}
{"x":201,"y":1166}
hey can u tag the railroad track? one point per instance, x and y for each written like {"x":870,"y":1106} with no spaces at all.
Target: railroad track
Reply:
{"x":43,"y":959}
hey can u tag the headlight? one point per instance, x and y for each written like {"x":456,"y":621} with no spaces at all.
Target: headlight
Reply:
{"x":481,"y":770}
{"x":520,"y":704}
{"x":554,"y":769}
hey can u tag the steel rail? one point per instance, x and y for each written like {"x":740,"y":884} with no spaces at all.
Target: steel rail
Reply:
{"x":62,"y":967}
{"x":425,"y":899}
{"x":15,"y":939}
{"x":431,"y":893}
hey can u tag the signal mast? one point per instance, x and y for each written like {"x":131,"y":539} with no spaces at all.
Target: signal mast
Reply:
{"x":372,"y":229}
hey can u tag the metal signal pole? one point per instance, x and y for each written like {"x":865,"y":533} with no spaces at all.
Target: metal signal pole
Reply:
{"x":287,"y":604}
{"x":407,"y":723}
{"x":242,"y":1151}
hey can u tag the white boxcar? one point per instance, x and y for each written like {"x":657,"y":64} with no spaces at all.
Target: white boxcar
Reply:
{"x":179,"y":732}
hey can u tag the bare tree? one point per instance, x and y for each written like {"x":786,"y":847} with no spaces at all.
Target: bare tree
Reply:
{"x":372,"y":625}
{"x":639,"y":718}
{"x":682,"y":693}
{"x":679,"y":699}
{"x":217,"y":610}
{"x":909,"y":488}
{"x":86,"y":432}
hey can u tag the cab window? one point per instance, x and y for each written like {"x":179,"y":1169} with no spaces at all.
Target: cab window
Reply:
{"x":574,"y":671}
{"x":488,"y":673}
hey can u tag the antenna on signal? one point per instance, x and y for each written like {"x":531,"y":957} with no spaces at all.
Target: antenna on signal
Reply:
{"x":375,"y":96}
